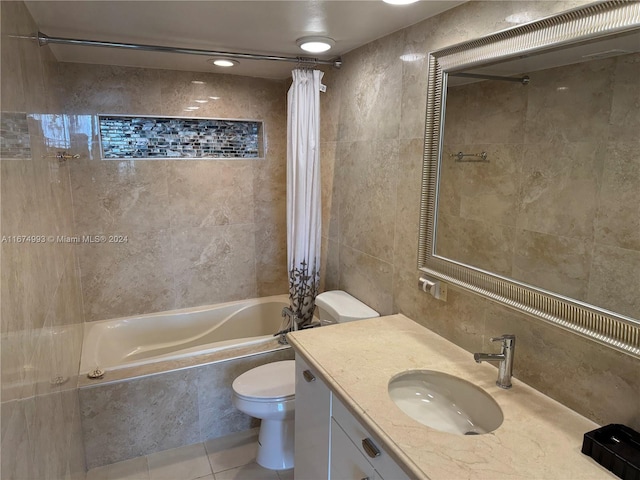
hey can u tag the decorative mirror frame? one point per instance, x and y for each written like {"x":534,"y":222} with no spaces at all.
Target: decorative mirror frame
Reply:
{"x":574,"y":26}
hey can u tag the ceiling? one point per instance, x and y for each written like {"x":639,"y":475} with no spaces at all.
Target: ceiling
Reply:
{"x":263,"y":27}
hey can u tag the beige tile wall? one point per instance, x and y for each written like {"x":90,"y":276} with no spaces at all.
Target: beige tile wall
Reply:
{"x":557,"y":206}
{"x":372,"y":131}
{"x":42,"y":313}
{"x":198,"y":231}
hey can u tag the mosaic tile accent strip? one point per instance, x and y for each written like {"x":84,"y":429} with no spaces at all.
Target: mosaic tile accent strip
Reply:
{"x":166,"y":137}
{"x":15,"y":142}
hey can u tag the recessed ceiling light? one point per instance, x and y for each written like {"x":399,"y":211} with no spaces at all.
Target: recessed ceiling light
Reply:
{"x":223,"y":62}
{"x":198,"y":82}
{"x":214,"y":98}
{"x":202,"y":101}
{"x":412,"y":57}
{"x":315,"y":44}
{"x":192,"y":108}
{"x":399,"y":2}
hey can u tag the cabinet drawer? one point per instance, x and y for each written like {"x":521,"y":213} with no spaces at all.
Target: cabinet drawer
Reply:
{"x":370,"y":448}
{"x":347,"y":463}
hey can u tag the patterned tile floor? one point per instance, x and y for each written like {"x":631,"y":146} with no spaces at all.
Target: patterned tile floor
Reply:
{"x":227,"y":458}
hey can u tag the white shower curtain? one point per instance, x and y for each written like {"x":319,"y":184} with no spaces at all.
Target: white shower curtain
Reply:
{"x":303,"y":192}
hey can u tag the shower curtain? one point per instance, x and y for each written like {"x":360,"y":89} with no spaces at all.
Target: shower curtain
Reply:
{"x":303,"y":192}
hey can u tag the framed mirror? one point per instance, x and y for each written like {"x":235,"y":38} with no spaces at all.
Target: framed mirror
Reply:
{"x":531,"y":176}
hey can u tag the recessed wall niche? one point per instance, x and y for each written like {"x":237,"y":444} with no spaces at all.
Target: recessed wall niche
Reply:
{"x":149,"y":137}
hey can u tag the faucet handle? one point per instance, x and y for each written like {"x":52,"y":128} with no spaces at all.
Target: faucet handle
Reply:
{"x":507,"y":338}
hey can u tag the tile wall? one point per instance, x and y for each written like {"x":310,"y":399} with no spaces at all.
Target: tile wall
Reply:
{"x":197,"y":232}
{"x":556,"y":206}
{"x":372,"y":133}
{"x":42,"y":314}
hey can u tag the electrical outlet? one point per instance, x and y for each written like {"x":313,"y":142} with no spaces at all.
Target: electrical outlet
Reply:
{"x":439,"y":291}
{"x":436,"y":288}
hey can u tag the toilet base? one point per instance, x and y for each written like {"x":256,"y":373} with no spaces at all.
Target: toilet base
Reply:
{"x":275,"y":444}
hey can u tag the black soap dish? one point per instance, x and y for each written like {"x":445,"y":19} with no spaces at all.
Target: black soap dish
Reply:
{"x":616,"y":448}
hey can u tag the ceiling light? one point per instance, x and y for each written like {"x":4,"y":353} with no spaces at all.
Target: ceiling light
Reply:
{"x":399,"y":2}
{"x":202,"y":101}
{"x":412,"y":57}
{"x":315,"y":44}
{"x":198,"y":82}
{"x":214,"y":98}
{"x":223,"y":62}
{"x":192,"y":108}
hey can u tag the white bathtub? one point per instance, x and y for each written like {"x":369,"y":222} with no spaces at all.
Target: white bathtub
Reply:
{"x":157,"y":337}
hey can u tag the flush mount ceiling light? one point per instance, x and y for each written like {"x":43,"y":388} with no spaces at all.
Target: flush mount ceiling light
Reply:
{"x":412,"y":57}
{"x":399,"y":2}
{"x":223,"y":62}
{"x":315,"y":44}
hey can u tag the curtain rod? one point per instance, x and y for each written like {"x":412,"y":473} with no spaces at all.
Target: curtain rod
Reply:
{"x":44,"y":39}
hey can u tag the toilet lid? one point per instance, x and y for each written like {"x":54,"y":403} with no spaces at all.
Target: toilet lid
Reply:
{"x":273,"y":380}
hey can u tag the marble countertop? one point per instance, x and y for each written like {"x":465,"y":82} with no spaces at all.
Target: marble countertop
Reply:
{"x":539,"y":438}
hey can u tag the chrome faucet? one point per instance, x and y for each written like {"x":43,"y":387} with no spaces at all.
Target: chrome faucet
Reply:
{"x":293,"y":316}
{"x":292,"y":325}
{"x":505,"y":368}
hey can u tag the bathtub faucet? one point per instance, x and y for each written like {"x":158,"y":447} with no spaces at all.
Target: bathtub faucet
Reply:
{"x":291,"y":326}
{"x":288,"y":312}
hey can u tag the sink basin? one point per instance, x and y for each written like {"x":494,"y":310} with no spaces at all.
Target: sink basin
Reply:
{"x":445,"y":403}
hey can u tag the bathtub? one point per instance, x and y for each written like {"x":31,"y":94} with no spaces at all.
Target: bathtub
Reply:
{"x":173,"y":335}
{"x":168,"y":376}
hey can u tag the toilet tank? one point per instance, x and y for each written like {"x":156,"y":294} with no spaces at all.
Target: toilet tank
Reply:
{"x":337,"y":306}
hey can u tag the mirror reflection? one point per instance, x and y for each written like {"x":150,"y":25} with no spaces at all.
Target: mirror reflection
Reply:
{"x":539,"y":181}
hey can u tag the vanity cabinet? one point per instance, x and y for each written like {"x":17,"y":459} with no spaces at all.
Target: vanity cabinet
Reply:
{"x":312,"y":427}
{"x":329,"y":441}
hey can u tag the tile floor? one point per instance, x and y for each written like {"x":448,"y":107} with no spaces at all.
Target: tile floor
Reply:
{"x":228,"y":458}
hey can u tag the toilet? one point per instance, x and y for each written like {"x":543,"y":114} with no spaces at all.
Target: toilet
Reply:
{"x":268,"y":391}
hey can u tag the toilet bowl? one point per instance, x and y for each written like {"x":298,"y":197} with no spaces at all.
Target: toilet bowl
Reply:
{"x":268,"y":391}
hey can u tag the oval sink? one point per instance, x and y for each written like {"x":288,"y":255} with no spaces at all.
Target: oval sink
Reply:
{"x":445,"y":403}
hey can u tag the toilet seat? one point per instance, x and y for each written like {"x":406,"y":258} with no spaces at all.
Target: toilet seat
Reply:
{"x":267,"y":383}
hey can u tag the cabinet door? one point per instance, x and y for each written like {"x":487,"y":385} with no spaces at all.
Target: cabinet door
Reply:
{"x":347,"y":463}
{"x":313,"y":420}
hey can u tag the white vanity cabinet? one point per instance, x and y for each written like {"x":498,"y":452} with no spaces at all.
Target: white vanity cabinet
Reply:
{"x":312,"y":424}
{"x":330,"y":443}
